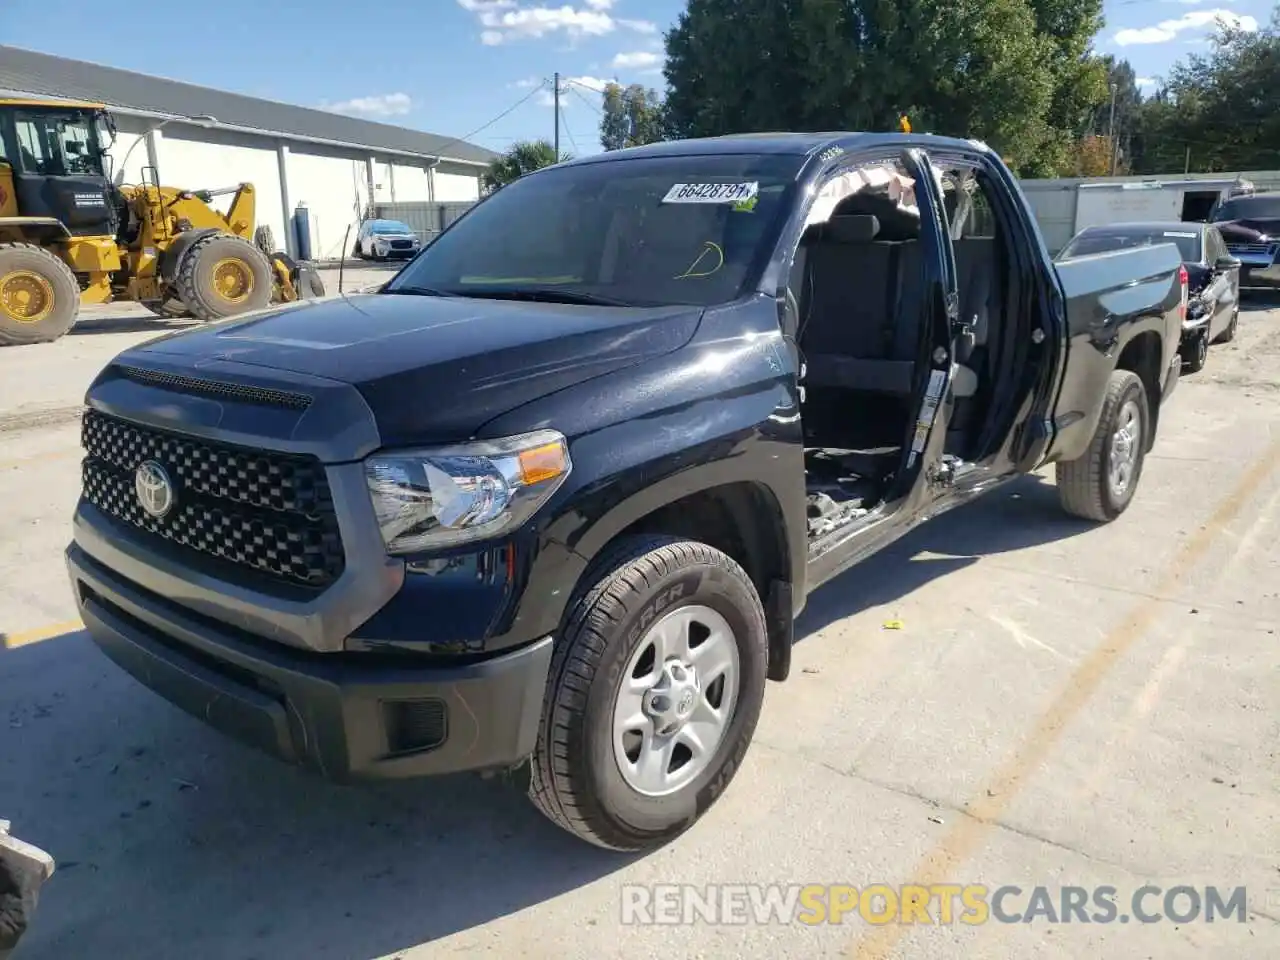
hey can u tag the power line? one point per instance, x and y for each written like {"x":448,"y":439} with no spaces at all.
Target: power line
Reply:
{"x":573,"y":85}
{"x":565,"y":124}
{"x":511,"y":109}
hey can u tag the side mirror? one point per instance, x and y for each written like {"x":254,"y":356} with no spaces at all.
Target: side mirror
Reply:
{"x":1223,"y":264}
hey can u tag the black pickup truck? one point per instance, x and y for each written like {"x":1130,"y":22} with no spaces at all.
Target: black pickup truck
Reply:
{"x":550,"y":500}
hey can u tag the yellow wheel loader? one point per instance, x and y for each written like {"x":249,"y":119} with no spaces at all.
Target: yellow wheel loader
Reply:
{"x":69,"y":236}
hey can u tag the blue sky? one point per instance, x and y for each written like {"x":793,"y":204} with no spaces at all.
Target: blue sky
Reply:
{"x":451,"y":66}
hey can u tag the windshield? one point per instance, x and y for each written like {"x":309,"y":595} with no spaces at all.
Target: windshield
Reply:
{"x":390,"y":226}
{"x":1248,"y":208}
{"x":58,"y":143}
{"x":1105,"y":241}
{"x":646,"y":232}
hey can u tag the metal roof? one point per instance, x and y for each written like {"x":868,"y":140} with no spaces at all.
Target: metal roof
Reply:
{"x":26,"y":72}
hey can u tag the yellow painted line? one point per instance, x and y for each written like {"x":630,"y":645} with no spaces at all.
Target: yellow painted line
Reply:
{"x":990,"y":803}
{"x":13,"y":641}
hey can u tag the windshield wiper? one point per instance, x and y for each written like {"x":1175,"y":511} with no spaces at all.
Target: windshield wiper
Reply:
{"x":419,"y":291}
{"x":546,"y":296}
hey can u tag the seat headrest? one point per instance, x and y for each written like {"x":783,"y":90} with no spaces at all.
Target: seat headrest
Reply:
{"x":852,"y":228}
{"x":896,"y":223}
{"x":843,"y":228}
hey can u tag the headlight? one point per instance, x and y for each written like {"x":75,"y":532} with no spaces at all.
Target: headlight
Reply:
{"x":450,"y":495}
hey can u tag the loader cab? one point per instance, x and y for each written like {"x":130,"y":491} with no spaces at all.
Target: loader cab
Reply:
{"x":53,"y":157}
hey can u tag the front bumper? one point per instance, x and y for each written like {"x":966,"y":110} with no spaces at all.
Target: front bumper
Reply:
{"x":346,"y":716}
{"x":1258,"y":268}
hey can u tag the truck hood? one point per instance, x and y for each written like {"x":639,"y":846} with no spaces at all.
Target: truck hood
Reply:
{"x":435,"y":369}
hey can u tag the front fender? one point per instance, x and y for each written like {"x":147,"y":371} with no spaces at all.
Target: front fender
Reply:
{"x":172,"y":255}
{"x":722,"y":411}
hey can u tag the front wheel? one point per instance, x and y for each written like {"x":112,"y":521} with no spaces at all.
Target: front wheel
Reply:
{"x":654,"y":693}
{"x":1100,"y":484}
{"x":222,"y":275}
{"x":1229,"y":334}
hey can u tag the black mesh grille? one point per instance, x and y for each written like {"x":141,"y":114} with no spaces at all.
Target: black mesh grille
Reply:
{"x":265,"y":513}
{"x":217,"y":388}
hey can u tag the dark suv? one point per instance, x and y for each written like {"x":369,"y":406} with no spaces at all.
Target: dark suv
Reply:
{"x":1251,"y":227}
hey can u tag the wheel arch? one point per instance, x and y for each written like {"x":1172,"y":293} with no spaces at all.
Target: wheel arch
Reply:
{"x":1143,"y":355}
{"x":744,"y":519}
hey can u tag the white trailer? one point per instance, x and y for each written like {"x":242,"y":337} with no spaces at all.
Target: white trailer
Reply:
{"x":1064,"y":207}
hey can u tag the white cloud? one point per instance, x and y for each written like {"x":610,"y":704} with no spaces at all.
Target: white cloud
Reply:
{"x":637,"y":60}
{"x":639,"y":26}
{"x":591,"y":83}
{"x":573,"y":87}
{"x":502,"y":21}
{"x":382,"y":105}
{"x":1144,"y":82}
{"x":1168,"y":30}
{"x":528,"y":83}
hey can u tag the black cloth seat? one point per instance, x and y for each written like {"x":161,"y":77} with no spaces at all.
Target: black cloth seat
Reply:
{"x":855,"y":335}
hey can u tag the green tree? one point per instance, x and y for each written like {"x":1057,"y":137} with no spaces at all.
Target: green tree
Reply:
{"x":524,"y":156}
{"x":632,"y":117}
{"x":1018,"y":75}
{"x":1224,"y":105}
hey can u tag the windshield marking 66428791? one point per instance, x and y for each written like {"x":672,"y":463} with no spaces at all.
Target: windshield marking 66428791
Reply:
{"x":711,"y":192}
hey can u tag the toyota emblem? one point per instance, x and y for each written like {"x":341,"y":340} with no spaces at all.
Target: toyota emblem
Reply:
{"x":154,"y":489}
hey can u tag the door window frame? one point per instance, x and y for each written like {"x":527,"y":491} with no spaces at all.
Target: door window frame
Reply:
{"x":1036,"y":297}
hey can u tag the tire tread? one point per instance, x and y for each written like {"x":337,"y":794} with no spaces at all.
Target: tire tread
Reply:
{"x":57,"y":268}
{"x":185,"y":282}
{"x":625,"y":573}
{"x":1079,"y":481}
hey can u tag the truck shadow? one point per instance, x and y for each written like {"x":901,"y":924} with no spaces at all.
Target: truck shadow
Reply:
{"x":166,"y":833}
{"x":1023,"y":513}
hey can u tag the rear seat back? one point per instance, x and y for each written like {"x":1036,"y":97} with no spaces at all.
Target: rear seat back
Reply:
{"x":856,"y":335}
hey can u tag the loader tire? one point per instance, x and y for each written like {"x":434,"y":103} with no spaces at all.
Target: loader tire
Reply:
{"x":265,"y":240}
{"x":39,"y":295}
{"x":222,"y":276}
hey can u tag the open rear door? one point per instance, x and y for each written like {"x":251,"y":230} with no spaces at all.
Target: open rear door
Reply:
{"x":942,"y":307}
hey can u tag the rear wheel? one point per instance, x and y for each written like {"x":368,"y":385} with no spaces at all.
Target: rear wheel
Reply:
{"x":264,"y":239}
{"x":39,"y":295}
{"x":1100,"y":484}
{"x":654,"y":693}
{"x":222,"y":276}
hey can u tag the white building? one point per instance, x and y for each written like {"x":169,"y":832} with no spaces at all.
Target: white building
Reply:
{"x":200,"y":138}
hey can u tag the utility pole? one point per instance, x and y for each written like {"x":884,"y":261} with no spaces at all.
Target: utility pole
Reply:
{"x":556,"y":94}
{"x":1186,"y":167}
{"x":1111,"y":130}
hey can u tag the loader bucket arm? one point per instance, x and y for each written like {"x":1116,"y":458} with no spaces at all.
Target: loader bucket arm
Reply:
{"x":196,"y":208}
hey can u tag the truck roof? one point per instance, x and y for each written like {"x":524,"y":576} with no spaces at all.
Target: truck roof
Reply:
{"x":1145,"y":226}
{"x":793,"y":144}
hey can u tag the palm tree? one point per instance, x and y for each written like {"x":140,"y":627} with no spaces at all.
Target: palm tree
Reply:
{"x":524,"y":156}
